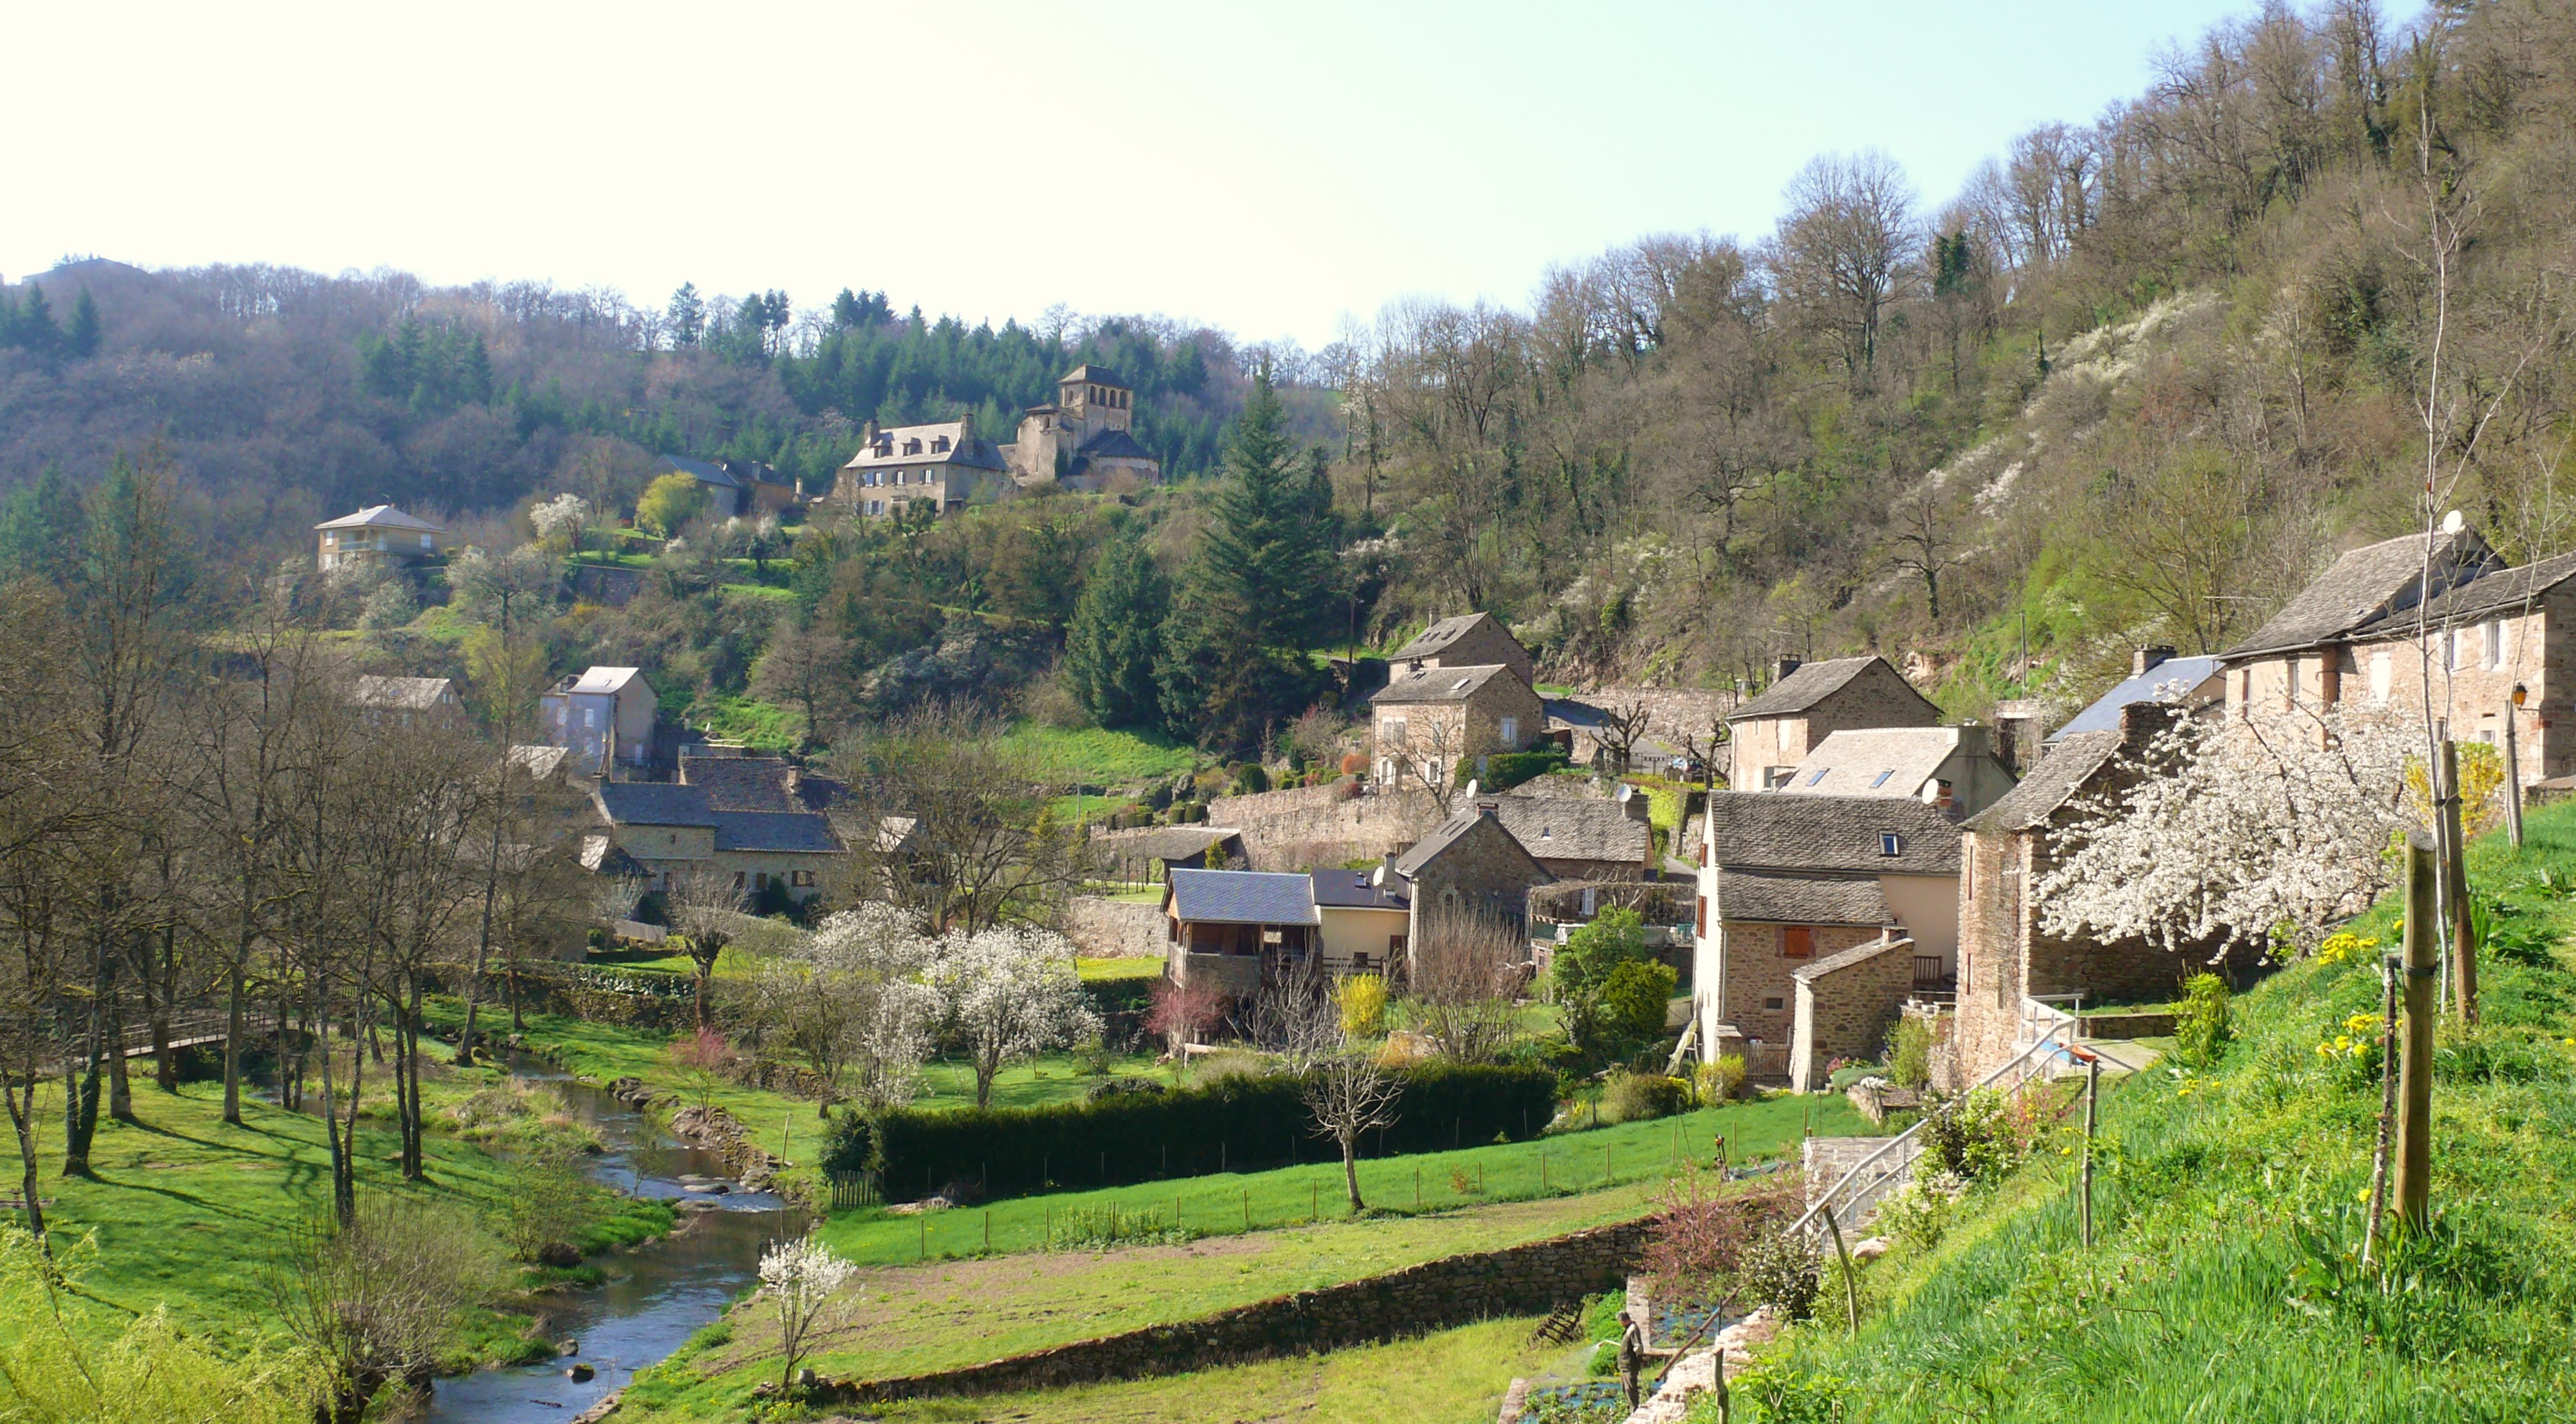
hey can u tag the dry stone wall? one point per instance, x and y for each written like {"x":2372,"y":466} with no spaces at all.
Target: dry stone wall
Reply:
{"x":1116,"y":929}
{"x":1530,"y":1279}
{"x":1313,"y":826}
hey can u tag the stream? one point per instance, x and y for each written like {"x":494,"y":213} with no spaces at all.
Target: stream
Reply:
{"x":655,"y":1297}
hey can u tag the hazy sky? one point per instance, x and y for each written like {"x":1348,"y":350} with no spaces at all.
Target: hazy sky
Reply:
{"x":1263,"y":168}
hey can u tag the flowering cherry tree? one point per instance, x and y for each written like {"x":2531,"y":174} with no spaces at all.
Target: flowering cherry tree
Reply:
{"x":799,"y":1278}
{"x":2242,"y":829}
{"x":1012,"y":993}
{"x":560,"y":520}
{"x":855,"y":997}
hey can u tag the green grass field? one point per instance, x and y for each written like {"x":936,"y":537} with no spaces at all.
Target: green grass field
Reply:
{"x":2224,"y":1282}
{"x":1101,"y":756}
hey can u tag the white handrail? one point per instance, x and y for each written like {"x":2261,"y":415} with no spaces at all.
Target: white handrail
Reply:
{"x":2045,"y":1040}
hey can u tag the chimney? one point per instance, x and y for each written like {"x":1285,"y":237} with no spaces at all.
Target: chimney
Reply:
{"x":1487,"y":806}
{"x":966,"y":429}
{"x":1786,"y":667}
{"x":1638,"y":805}
{"x":868,"y":432}
{"x":2147,"y":658}
{"x":2142,"y":722}
{"x":1973,"y":738}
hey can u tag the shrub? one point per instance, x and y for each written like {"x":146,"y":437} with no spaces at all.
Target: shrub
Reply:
{"x":1238,"y":1123}
{"x":1781,"y":1270}
{"x":1970,"y":1139}
{"x":1782,"y":1393}
{"x":1509,"y":769}
{"x":1636,"y":1097}
{"x":1636,"y":997}
{"x":1353,"y":763}
{"x":1721,"y":1080}
{"x":1101,"y":1228}
{"x":2203,"y":1028}
{"x":1362,"y":998}
{"x":1250,"y":780}
{"x":1909,"y":1052}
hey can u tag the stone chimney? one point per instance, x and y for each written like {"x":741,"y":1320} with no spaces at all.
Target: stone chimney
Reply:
{"x":965,"y":429}
{"x":2145,"y":659}
{"x":1974,"y":738}
{"x":2142,"y":722}
{"x":1637,"y":804}
{"x":868,"y":432}
{"x":1785,"y":667}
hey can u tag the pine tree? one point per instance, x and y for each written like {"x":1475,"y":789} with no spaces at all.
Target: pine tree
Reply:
{"x":1116,"y":636}
{"x":688,"y":315}
{"x":35,"y":324}
{"x":39,"y":525}
{"x":86,"y":329}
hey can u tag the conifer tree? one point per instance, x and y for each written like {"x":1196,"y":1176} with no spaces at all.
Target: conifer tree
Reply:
{"x":83,"y":338}
{"x":35,"y":329}
{"x":1116,"y":636}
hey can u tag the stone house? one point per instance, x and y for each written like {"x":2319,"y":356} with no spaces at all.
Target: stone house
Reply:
{"x":402,"y":701}
{"x":1954,"y":770}
{"x":1583,"y":837}
{"x":1363,"y":924}
{"x":377,"y":532}
{"x":943,"y":465}
{"x":1467,"y":640}
{"x":1846,"y":1004}
{"x":2196,"y":684}
{"x":1428,"y":724}
{"x":1152,"y":854}
{"x":606,"y":714}
{"x":2362,"y":638}
{"x":1469,"y":864}
{"x":671,"y":829}
{"x":1083,"y":440}
{"x":1786,"y":881}
{"x":2005,"y":956}
{"x":737,"y":488}
{"x":1235,"y":930}
{"x":1774,"y":732}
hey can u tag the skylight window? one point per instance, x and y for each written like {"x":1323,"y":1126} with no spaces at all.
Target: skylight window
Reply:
{"x":1890,"y":843}
{"x":1882,"y":778}
{"x":1819,"y":776}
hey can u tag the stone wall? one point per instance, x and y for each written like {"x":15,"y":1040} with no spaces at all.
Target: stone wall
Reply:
{"x":1315,"y":826}
{"x":1846,"y":1009}
{"x":1483,"y":869}
{"x":1761,"y":995}
{"x":1530,"y":1279}
{"x":1116,"y":929}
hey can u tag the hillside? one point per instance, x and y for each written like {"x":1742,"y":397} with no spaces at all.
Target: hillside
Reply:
{"x":2224,"y":1282}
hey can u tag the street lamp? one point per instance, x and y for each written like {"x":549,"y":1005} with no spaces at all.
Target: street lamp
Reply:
{"x":2520,"y":693}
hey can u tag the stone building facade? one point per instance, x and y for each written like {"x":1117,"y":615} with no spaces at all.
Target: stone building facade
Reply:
{"x":1082,"y":441}
{"x":1428,"y":724}
{"x":1847,"y":1003}
{"x":942,"y":465}
{"x":1470,"y":864}
{"x":1774,"y":732}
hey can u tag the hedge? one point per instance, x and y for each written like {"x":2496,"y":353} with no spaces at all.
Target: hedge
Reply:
{"x":1505,"y":770}
{"x":1236,"y":1124}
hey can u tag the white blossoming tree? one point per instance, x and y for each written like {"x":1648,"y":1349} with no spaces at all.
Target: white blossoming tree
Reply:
{"x":2244,"y":829}
{"x":800,"y":1279}
{"x":854,"y":1000}
{"x":560,"y":520}
{"x":1012,"y":993}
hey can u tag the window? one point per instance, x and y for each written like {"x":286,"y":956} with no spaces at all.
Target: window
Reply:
{"x":1969,"y":870}
{"x":1797,"y":941}
{"x":1391,"y":731}
{"x":1881,"y":779}
{"x":1700,"y":920}
{"x":590,"y":718}
{"x":938,"y":444}
{"x":1774,"y":1004}
{"x":872,"y":478}
{"x":1394,"y":946}
{"x":912,"y":447}
{"x":1511,"y":731}
{"x":760,"y":881}
{"x":424,"y":541}
{"x":804,"y":878}
{"x":1818,"y":775}
{"x":737,"y":880}
{"x":2451,"y":649}
{"x":2495,"y":641}
{"x":1890,"y":843}
{"x":2379,"y":675}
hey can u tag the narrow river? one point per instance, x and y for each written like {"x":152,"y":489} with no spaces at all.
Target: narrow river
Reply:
{"x":655,"y":1298}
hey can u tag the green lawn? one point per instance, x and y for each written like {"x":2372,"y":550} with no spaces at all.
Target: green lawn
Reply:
{"x":2224,"y":1282}
{"x":765,"y":726}
{"x":1096,"y":970}
{"x":1101,"y":756}
{"x":189,"y":1213}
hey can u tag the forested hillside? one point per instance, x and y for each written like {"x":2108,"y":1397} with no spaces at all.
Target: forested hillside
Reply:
{"x":2134,"y":383}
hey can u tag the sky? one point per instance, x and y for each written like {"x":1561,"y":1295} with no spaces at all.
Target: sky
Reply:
{"x":1271,"y":170}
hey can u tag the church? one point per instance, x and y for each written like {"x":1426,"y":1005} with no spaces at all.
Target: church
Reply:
{"x":1081,"y":441}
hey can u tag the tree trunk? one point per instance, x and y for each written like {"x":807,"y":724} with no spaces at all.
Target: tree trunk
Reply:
{"x":22,"y":1118}
{"x":1351,"y":1170}
{"x":236,"y":1014}
{"x":120,"y":1088}
{"x":415,"y":1161}
{"x":165,"y":1059}
{"x":483,"y":940}
{"x":80,"y":1093}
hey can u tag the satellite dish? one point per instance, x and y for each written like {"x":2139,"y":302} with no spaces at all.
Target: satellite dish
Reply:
{"x":2452,"y":523}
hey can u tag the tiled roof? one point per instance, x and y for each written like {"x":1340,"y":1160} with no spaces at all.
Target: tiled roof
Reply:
{"x":1875,"y":762}
{"x":1242,"y":897}
{"x":1111,"y":445}
{"x":704,"y":473}
{"x":2071,"y":762}
{"x":416,"y":694}
{"x":2365,"y":585}
{"x":1575,"y":828}
{"x":964,"y":448}
{"x":799,"y":831}
{"x":1808,"y":685}
{"x":1443,"y":684}
{"x":2506,"y":590}
{"x":1849,"y":957}
{"x":653,"y":803}
{"x":600,"y":679}
{"x":1440,"y":635}
{"x":1351,"y":890}
{"x":1770,"y":897}
{"x":2169,"y":681}
{"x":759,"y":784}
{"x":1445,"y":835}
{"x":1093,"y":376}
{"x":1765,"y":830}
{"x":382,"y":516}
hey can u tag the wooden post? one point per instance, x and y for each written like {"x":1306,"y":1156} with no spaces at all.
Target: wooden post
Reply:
{"x":2391,"y":970}
{"x":2464,"y":940}
{"x":1247,"y":1208}
{"x":2512,"y":773}
{"x":1851,"y":1291}
{"x":2092,"y":1097}
{"x":2415,"y":1069}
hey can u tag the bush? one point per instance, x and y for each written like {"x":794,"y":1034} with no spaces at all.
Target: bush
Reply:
{"x":1969,"y":1139}
{"x":1636,"y":1097}
{"x":1909,"y":1052}
{"x":1636,"y":997}
{"x":1782,"y":1271}
{"x":1721,"y":1080}
{"x":1362,"y":998}
{"x":1241,"y":1124}
{"x":2204,"y":1027}
{"x":1509,"y":769}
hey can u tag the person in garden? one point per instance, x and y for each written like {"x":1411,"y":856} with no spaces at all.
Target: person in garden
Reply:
{"x":1632,"y":1355}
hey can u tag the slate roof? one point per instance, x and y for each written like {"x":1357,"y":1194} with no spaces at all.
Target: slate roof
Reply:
{"x":1876,"y":762}
{"x":1111,"y":445}
{"x":704,"y":472}
{"x":539,"y":762}
{"x":799,"y":831}
{"x":663,"y":803}
{"x":1849,"y":957}
{"x":1764,"y":830}
{"x":1351,"y":890}
{"x":2169,"y":681}
{"x":1242,"y":897}
{"x":1810,"y":684}
{"x":1093,"y":376}
{"x":2365,"y":585}
{"x":1575,"y":828}
{"x":599,"y":680}
{"x":963,"y":448}
{"x":2071,"y":762}
{"x":1771,"y":897}
{"x":382,"y":516}
{"x":653,"y":803}
{"x":2506,"y":590}
{"x":1442,"y":684}
{"x":414,"y":694}
{"x":758,"y":784}
{"x":1440,"y":635}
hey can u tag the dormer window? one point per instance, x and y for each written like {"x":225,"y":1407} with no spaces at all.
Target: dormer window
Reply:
{"x":912,"y":447}
{"x":938,"y":444}
{"x":1890,"y":843}
{"x":883,"y":449}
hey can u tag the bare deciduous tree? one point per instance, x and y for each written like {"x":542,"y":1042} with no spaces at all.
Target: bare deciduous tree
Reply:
{"x":707,"y":906}
{"x":1346,"y":1095}
{"x":1465,"y":967}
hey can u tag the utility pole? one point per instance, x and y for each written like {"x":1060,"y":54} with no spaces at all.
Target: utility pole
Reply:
{"x":2455,"y":872}
{"x":2415,"y":1068}
{"x":2513,"y":769}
